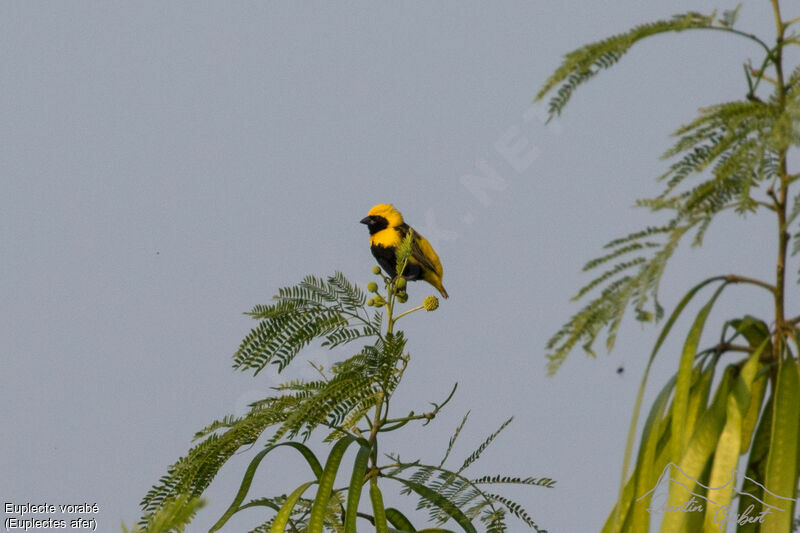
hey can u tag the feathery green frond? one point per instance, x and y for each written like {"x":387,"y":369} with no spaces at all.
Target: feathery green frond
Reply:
{"x":454,"y":438}
{"x":485,"y":444}
{"x":446,"y":490}
{"x":355,"y":386}
{"x":350,"y":401}
{"x":515,"y":509}
{"x":333,"y":310}
{"x":583,"y":64}
{"x":173,"y":516}
{"x":498,"y":479}
{"x":731,"y":142}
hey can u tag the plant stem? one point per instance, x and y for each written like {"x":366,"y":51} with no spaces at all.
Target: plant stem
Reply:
{"x":791,"y":21}
{"x":750,"y":36}
{"x":389,"y":319}
{"x":733,"y":278}
{"x":780,"y":199}
{"x":404,"y":313}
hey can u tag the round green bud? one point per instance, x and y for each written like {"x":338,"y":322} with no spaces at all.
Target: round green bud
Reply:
{"x":431,"y":303}
{"x":371,"y":302}
{"x":376,"y":270}
{"x":372,"y":286}
{"x":400,"y":283}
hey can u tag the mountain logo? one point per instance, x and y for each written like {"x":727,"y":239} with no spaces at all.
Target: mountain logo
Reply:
{"x":674,"y":479}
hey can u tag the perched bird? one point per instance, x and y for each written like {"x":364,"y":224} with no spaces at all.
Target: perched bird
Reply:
{"x":386,"y":231}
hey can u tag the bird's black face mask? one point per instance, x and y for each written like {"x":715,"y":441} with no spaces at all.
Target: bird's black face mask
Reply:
{"x":375,"y":224}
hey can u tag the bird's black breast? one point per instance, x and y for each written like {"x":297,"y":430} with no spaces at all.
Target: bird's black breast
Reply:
{"x":387,"y":259}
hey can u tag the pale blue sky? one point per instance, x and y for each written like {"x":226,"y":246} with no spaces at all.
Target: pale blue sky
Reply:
{"x":166,"y":166}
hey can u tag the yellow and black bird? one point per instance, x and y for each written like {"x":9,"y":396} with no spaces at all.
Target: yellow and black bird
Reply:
{"x":386,"y":231}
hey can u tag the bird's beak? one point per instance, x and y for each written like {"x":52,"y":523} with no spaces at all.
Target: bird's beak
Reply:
{"x":365,"y":220}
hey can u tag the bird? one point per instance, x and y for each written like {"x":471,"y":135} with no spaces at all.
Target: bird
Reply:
{"x":386,"y":231}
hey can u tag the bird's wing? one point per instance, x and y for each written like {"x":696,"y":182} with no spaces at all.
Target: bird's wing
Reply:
{"x":422,"y":251}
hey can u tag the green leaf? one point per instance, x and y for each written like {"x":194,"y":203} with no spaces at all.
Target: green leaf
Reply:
{"x":723,"y":477}
{"x":581,"y":65}
{"x":617,"y":519}
{"x":251,"y":472}
{"x":320,"y":505}
{"x":377,"y":506}
{"x":248,"y":479}
{"x":356,"y":484}
{"x":453,"y":439}
{"x":781,"y":478}
{"x":751,"y":491}
{"x":644,"y":474}
{"x":332,"y":309}
{"x":622,"y":509}
{"x":698,"y":453}
{"x":173,"y":516}
{"x":485,"y":444}
{"x":680,"y":432}
{"x":755,"y":331}
{"x":439,"y":501}
{"x":757,"y":334}
{"x":698,"y":397}
{"x":399,"y":520}
{"x":282,"y":518}
{"x":754,"y":409}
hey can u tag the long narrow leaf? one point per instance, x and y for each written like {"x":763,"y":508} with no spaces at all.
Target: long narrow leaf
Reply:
{"x":439,"y":501}
{"x":320,"y":505}
{"x":282,"y":518}
{"x":377,"y":506}
{"x":640,"y":395}
{"x":752,"y":493}
{"x":723,"y":477}
{"x":698,"y":396}
{"x":622,"y":509}
{"x":781,"y":480}
{"x":356,"y":484}
{"x":680,"y":404}
{"x":399,"y":520}
{"x":754,"y":409}
{"x":251,"y":472}
{"x":696,"y":458}
{"x":644,"y":473}
{"x":758,"y":336}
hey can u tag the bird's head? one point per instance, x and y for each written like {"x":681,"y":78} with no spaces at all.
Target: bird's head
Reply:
{"x":382,"y":216}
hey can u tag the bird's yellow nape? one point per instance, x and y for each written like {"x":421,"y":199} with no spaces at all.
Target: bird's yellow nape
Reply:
{"x":387,"y":211}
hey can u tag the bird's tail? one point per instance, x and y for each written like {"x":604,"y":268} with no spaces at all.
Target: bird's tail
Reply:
{"x":444,"y":292}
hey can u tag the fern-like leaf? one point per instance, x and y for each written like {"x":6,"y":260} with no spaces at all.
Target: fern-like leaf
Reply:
{"x":332,"y":310}
{"x":583,"y":64}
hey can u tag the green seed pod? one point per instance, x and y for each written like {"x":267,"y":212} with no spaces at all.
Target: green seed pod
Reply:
{"x":376,"y":270}
{"x":372,"y":286}
{"x":371,"y":302}
{"x":400,"y":283}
